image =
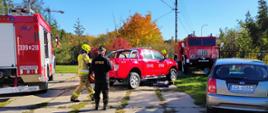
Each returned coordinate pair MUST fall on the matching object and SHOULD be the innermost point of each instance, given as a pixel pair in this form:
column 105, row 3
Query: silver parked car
column 238, row 84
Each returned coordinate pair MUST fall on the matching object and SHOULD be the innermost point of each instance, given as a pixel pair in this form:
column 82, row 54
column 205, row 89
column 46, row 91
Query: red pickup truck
column 135, row 65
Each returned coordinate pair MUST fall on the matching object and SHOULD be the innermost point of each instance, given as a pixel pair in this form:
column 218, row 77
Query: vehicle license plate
column 203, row 60
column 242, row 88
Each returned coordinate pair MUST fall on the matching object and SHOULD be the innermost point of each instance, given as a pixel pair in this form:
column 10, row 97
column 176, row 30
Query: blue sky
column 101, row 16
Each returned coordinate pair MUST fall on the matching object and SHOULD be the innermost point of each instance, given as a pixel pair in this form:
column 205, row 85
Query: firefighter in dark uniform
column 100, row 66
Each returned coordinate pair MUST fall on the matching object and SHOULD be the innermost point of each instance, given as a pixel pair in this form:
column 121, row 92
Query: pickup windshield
column 241, row 72
column 202, row 42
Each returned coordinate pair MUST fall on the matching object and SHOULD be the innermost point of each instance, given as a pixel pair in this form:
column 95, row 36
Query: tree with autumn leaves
column 141, row 31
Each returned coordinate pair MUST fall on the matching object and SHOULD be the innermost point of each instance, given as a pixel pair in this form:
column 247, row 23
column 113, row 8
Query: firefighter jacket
column 83, row 64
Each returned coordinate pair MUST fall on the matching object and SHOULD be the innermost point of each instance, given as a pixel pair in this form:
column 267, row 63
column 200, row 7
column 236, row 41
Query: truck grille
column 202, row 52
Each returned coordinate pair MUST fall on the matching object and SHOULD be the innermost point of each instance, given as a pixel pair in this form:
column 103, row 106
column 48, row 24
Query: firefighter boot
column 96, row 105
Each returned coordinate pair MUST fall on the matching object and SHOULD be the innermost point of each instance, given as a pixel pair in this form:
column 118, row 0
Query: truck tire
column 185, row 69
column 43, row 86
column 51, row 78
column 172, row 76
column 134, row 80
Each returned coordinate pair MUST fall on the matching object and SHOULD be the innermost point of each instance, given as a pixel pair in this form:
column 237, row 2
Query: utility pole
column 176, row 20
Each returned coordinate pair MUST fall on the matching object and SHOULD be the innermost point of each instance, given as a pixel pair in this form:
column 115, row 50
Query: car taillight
column 212, row 88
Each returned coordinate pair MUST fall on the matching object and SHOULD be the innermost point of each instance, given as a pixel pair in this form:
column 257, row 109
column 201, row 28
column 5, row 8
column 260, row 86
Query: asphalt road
column 145, row 99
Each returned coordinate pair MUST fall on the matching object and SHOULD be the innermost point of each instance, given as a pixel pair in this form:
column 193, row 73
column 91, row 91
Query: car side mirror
column 163, row 59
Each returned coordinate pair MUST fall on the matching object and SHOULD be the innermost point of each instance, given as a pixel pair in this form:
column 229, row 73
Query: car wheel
column 172, row 75
column 134, row 80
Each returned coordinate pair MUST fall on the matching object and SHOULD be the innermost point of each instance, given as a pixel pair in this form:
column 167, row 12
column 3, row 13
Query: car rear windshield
column 241, row 71
column 202, row 42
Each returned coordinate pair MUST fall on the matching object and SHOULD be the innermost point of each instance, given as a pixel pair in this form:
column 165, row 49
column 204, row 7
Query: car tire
column 172, row 76
column 134, row 80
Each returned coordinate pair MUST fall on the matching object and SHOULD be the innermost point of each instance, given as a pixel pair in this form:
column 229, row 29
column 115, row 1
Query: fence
column 263, row 56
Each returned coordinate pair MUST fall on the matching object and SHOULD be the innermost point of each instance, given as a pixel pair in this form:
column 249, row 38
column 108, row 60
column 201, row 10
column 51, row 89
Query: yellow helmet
column 164, row 52
column 86, row 48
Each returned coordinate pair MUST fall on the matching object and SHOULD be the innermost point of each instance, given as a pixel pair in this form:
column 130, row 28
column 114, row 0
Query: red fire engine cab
column 197, row 52
column 26, row 54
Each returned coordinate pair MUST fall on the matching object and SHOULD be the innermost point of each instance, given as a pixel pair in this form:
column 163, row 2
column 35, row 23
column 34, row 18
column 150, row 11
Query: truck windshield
column 202, row 42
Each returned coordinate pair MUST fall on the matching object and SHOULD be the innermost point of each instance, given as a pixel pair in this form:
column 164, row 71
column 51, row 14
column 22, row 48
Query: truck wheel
column 185, row 69
column 134, row 80
column 43, row 86
column 172, row 76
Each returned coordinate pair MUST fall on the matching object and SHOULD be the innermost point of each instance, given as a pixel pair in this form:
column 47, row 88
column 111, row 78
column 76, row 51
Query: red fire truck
column 26, row 54
column 197, row 52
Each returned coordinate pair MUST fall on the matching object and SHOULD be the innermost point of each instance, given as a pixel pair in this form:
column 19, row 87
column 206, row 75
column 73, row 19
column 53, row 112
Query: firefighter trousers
column 105, row 93
column 83, row 83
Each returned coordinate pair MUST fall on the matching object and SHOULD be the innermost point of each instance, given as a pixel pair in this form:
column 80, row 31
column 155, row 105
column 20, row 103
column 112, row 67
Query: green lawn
column 66, row 68
column 195, row 86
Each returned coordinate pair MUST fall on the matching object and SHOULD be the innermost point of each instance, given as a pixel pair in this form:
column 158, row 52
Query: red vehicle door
column 159, row 62
column 148, row 63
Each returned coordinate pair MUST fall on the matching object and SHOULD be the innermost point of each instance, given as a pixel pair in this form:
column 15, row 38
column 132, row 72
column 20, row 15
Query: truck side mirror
column 182, row 45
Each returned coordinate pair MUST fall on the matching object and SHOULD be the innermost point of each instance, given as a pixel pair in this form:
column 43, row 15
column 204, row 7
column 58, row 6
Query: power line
column 183, row 25
column 167, row 4
column 165, row 14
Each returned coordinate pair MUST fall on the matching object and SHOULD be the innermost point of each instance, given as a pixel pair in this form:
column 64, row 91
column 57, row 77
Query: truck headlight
column 193, row 56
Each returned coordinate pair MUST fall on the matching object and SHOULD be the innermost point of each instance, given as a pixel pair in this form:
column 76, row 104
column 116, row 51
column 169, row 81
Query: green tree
column 79, row 28
column 252, row 28
column 262, row 17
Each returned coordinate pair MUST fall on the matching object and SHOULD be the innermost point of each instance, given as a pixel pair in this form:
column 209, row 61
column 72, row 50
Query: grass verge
column 124, row 102
column 66, row 69
column 159, row 95
column 195, row 86
column 4, row 103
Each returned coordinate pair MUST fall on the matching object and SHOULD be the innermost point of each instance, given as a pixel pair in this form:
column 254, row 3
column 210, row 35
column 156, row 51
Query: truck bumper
column 19, row 89
column 201, row 63
column 33, row 78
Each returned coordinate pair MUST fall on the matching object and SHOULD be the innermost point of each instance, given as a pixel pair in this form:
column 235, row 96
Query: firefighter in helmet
column 164, row 53
column 101, row 66
column 83, row 71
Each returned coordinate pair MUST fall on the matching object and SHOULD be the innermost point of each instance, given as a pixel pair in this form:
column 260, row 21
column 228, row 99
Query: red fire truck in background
column 197, row 52
column 26, row 54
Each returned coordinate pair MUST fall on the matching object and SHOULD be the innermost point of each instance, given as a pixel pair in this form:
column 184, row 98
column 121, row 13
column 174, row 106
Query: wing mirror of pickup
column 163, row 59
